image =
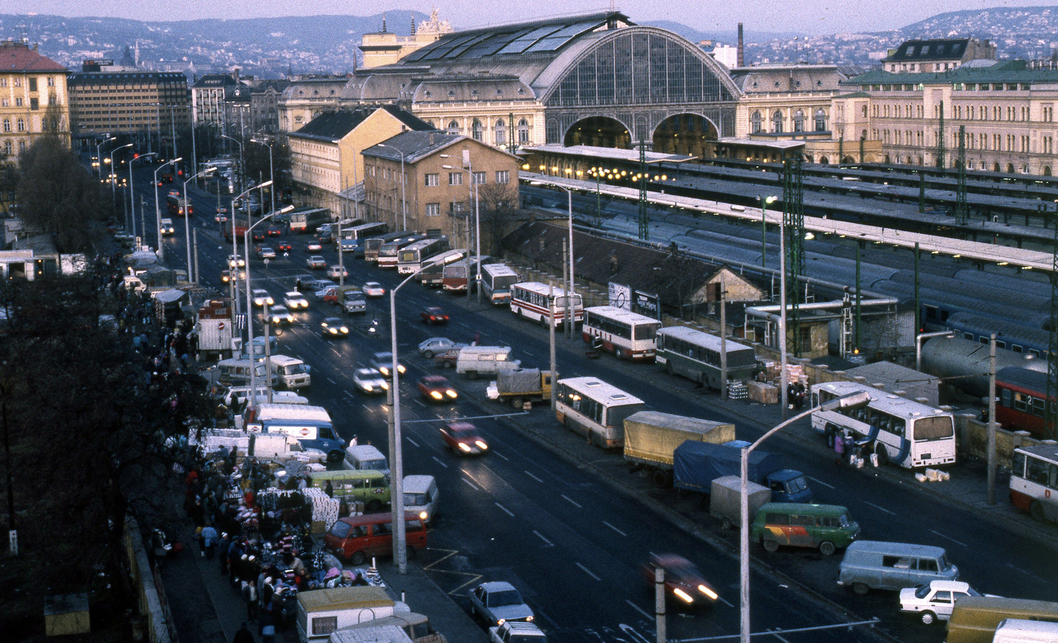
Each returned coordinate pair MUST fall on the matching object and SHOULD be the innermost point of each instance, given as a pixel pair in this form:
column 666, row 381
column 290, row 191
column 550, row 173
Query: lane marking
column 639, row 609
column 615, row 529
column 504, row 509
column 533, row 477
column 412, row 441
column 880, row 508
column 501, row 456
column 948, row 538
column 469, row 417
column 350, row 394
column 328, row 379
column 549, row 543
column 721, row 599
column 818, row 481
column 571, row 502
column 435, row 459
column 472, row 485
column 588, row 571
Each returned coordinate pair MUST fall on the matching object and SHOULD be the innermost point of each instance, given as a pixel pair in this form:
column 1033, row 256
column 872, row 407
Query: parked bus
column 352, row 238
column 373, row 244
column 389, row 253
column 696, row 356
column 411, row 258
column 304, row 220
column 595, row 409
column 1020, row 405
column 433, row 275
column 496, row 281
column 900, row 430
column 1034, row 481
column 177, row 206
column 529, row 299
column 626, row 334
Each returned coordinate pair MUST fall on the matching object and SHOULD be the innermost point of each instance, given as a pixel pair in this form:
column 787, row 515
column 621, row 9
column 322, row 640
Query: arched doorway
column 823, row 160
column 599, row 131
column 1046, row 170
column 688, row 134
column 1010, row 168
column 996, row 168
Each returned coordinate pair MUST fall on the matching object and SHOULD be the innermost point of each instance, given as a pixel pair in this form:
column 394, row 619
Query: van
column 290, row 372
column 975, row 619
column 323, row 611
column 794, row 524
column 259, row 347
column 416, row 626
column 420, row 497
column 236, row 372
column 358, row 538
column 1014, row 630
column 309, row 426
column 369, row 487
column 488, row 360
column 366, row 457
column 871, row 564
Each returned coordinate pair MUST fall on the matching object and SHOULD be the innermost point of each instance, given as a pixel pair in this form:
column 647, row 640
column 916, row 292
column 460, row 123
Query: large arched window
column 776, row 122
column 523, row 132
column 756, row 122
column 475, row 130
column 799, row 121
column 453, row 128
column 500, row 130
column 821, row 120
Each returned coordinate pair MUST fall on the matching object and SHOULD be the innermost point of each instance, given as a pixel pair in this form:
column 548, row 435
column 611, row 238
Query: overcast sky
column 808, row 16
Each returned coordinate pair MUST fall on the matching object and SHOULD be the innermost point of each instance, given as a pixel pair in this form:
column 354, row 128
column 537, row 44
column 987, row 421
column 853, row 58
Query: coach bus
column 496, row 282
column 696, row 356
column 595, row 409
column 411, row 258
column 373, row 244
column 529, row 299
column 626, row 334
column 389, row 253
column 433, row 274
column 1034, row 481
column 901, row 431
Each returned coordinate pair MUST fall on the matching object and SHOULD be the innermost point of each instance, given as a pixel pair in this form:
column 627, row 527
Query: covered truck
column 520, row 385
column 696, row 464
column 651, row 439
column 213, row 330
column 725, row 499
column 322, row 611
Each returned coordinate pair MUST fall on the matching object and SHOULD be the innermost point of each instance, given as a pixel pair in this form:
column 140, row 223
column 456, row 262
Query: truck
column 240, row 225
column 696, row 464
column 652, row 437
column 725, row 499
column 352, row 299
column 290, row 372
column 310, row 426
column 520, row 385
column 213, row 330
column 322, row 611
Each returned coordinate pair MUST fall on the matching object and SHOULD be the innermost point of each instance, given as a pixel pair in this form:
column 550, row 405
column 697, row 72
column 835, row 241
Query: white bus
column 696, row 356
column 364, row 230
column 1034, row 481
column 624, row 333
column 389, row 252
column 412, row 257
column 595, row 409
column 433, row 275
column 901, row 431
column 496, row 282
column 529, row 299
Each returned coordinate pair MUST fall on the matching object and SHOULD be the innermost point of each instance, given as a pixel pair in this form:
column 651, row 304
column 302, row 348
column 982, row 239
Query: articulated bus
column 626, row 334
column 696, row 356
column 433, row 275
column 595, row 409
column 411, row 258
column 902, row 431
column 529, row 299
column 389, row 253
column 496, row 281
column 373, row 244
column 1034, row 481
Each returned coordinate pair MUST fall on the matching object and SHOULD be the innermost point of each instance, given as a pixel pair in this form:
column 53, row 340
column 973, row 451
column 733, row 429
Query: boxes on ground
column 214, row 309
column 763, row 392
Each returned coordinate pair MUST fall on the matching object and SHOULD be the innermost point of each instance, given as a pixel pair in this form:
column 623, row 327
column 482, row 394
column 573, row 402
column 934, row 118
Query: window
column 799, row 121
column 453, row 128
column 500, row 133
column 523, row 131
column 433, row 180
column 18, row 82
column 455, row 207
column 7, row 124
column 433, row 209
column 51, row 81
column 503, row 176
column 32, row 84
column 475, row 130
column 34, row 103
column 455, row 178
column 821, row 120
column 21, row 125
column 776, row 120
column 755, row 123
column 7, row 148
column 478, row 178
column 18, row 102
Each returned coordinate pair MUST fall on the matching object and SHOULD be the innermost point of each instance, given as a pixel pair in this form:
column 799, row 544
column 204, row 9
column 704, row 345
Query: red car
column 433, row 315
column 284, row 246
column 436, row 388
column 463, row 438
column 684, row 582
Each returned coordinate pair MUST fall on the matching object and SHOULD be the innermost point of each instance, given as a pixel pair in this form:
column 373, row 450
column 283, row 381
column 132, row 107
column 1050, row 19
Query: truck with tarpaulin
column 520, row 385
column 651, row 438
column 696, row 464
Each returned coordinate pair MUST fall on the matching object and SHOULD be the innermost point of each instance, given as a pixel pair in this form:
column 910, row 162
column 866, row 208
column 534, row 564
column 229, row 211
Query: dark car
column 334, row 327
column 437, row 388
column 433, row 315
column 383, row 361
column 463, row 438
column 258, row 234
column 274, row 231
column 284, row 246
column 684, row 582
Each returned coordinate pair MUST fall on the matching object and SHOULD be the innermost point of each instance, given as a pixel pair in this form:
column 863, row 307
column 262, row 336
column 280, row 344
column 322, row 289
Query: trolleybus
column 900, row 430
column 389, row 253
column 496, row 282
column 696, row 356
column 626, row 334
column 411, row 258
column 595, row 409
column 178, row 206
column 1034, row 480
column 529, row 299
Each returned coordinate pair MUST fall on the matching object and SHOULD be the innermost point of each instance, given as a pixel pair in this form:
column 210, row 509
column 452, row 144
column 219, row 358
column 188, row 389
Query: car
column 334, row 327
column 437, row 388
column 430, row 347
column 295, row 300
column 305, row 282
column 236, row 261
column 448, row 357
column 313, row 246
column 261, row 298
column 933, row 602
column 284, row 246
column 280, row 315
column 274, row 231
column 374, row 289
column 684, row 582
column 322, row 284
column 327, row 293
column 316, row 262
column 257, row 234
column 370, row 380
column 337, row 272
column 222, row 215
column 225, row 276
column 498, row 602
column 463, row 438
column 167, row 227
column 517, row 632
column 265, row 252
column 433, row 315
column 383, row 361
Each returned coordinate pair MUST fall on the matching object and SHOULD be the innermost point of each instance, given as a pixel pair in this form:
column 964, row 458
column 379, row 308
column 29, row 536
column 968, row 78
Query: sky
column 811, row 17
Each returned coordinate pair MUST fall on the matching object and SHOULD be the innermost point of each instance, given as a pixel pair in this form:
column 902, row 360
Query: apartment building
column 33, row 98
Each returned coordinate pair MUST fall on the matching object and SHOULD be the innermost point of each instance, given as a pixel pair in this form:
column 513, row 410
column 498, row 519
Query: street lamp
column 158, row 211
column 242, row 168
column 477, row 224
column 187, row 221
column 569, row 293
column 856, row 400
column 99, row 157
column 271, row 171
column 764, row 201
column 249, row 299
column 132, row 191
column 403, row 200
column 113, row 174
column 234, row 273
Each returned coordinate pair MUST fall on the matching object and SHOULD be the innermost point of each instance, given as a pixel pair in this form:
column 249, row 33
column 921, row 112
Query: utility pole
column 794, row 227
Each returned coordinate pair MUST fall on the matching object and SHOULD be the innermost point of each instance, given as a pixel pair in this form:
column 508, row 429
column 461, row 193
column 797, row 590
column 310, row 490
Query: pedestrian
column 477, row 339
column 244, row 635
column 329, row 490
column 209, row 540
column 267, row 625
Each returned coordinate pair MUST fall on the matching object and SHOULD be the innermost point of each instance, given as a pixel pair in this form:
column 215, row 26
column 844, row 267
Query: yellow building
column 386, row 48
column 33, row 98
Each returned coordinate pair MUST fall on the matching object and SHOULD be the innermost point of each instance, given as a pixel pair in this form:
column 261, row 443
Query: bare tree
column 498, row 205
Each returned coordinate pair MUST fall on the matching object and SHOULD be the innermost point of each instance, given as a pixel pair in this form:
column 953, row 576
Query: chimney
column 741, row 47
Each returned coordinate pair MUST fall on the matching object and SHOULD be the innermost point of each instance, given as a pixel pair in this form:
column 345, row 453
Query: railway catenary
column 1029, row 282
column 1015, row 297
column 937, row 306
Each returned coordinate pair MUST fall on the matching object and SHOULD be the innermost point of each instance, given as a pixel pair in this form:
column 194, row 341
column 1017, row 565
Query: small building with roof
column 937, row 55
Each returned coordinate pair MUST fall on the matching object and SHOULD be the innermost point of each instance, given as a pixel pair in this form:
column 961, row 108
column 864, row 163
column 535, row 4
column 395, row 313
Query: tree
column 497, row 206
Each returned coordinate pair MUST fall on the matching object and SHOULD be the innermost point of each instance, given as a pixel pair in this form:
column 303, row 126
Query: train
column 1020, row 406
column 965, row 363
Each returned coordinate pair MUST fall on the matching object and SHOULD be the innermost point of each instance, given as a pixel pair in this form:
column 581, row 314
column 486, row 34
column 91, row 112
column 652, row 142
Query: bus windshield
column 934, row 428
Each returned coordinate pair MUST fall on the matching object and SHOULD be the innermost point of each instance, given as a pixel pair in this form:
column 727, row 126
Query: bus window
column 1037, row 471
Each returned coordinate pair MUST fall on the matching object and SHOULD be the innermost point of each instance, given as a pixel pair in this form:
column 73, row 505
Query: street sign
column 646, row 303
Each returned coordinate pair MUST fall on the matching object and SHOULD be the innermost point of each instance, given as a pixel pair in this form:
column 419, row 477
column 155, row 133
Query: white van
column 1016, row 630
column 420, row 497
column 236, row 372
column 291, row 372
column 486, row 360
column 365, row 457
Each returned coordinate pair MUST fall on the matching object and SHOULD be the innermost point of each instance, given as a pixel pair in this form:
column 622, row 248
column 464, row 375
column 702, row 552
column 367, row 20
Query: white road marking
column 329, row 379
column 419, row 402
column 533, row 477
column 504, row 509
column 446, row 466
column 571, row 502
column 350, row 394
column 472, row 485
column 818, row 481
column 549, row 543
column 639, row 609
column 588, row 571
column 412, row 441
column 948, row 538
column 879, row 508
column 721, row 599
column 615, row 529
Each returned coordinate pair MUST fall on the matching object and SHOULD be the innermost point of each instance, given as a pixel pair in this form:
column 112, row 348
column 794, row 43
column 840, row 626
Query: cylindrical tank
column 965, row 363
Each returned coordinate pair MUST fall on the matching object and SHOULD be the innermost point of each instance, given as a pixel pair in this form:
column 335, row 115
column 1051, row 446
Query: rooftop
column 16, row 56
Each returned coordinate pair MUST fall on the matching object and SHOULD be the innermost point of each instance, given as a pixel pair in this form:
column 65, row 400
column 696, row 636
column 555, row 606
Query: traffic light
column 179, row 172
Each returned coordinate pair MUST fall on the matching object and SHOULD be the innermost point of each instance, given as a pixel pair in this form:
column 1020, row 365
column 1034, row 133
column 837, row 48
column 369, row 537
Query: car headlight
column 436, row 395
column 708, row 592
column 385, row 386
column 344, row 330
column 683, row 596
column 481, row 445
column 400, row 367
column 423, row 515
column 450, row 393
column 464, row 447
column 528, row 618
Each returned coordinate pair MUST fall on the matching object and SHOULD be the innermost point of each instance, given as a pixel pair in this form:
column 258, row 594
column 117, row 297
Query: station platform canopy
column 606, row 154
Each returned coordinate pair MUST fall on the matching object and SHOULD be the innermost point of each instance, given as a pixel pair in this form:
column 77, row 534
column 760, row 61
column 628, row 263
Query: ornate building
column 33, row 98
column 386, row 48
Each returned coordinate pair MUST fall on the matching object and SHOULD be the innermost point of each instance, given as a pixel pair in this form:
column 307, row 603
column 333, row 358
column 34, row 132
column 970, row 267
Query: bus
column 352, row 238
column 389, row 253
column 304, row 220
column 455, row 274
column 626, row 334
column 696, row 356
column 901, row 431
column 433, row 275
column 1034, row 481
column 411, row 258
column 595, row 409
column 496, row 281
column 529, row 299
column 372, row 245
column 177, row 206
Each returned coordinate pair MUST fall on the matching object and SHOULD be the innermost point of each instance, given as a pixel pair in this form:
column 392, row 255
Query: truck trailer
column 652, row 437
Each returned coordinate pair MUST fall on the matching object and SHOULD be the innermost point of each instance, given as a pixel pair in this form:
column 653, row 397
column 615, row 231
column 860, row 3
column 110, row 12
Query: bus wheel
column 883, row 455
column 620, row 354
column 771, row 545
column 827, row 548
column 1036, row 510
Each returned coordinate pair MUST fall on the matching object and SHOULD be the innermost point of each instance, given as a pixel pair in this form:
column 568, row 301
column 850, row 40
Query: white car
column 295, row 300
column 369, row 380
column 167, row 227
column 261, row 298
column 498, row 602
column 935, row 601
column 280, row 315
column 337, row 272
column 236, row 261
column 374, row 289
column 517, row 632
column 316, row 262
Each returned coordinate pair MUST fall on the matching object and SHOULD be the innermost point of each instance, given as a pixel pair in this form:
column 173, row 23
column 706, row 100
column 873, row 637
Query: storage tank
column 952, row 357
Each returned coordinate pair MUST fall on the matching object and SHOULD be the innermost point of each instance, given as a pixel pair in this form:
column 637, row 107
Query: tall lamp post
column 569, row 293
column 158, row 210
column 477, row 224
column 271, row 172
column 99, row 157
column 187, row 222
column 764, row 202
column 113, row 173
column 132, row 191
column 249, row 299
column 855, row 400
column 403, row 180
column 235, row 254
column 242, row 167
